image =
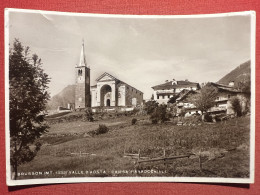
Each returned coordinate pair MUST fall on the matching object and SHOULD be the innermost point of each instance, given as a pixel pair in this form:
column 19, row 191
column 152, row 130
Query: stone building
column 163, row 92
column 110, row 91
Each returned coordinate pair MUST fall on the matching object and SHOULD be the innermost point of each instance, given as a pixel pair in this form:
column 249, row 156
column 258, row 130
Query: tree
column 150, row 106
column 245, row 86
column 236, row 106
column 205, row 99
column 27, row 99
column 152, row 97
column 173, row 99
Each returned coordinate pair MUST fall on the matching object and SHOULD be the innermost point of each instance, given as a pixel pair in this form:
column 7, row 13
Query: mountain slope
column 241, row 73
column 67, row 95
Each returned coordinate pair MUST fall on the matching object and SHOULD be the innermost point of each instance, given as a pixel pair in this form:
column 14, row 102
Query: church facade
column 108, row 91
column 111, row 91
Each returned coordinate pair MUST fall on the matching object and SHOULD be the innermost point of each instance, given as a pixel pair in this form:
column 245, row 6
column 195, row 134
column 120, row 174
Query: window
column 168, row 96
column 163, row 97
column 217, row 98
column 229, row 96
column 80, row 72
column 158, row 96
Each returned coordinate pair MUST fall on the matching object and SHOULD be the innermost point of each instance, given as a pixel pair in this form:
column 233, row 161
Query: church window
column 80, row 72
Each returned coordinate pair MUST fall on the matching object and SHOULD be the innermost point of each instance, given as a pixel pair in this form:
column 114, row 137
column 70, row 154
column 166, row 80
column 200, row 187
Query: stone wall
column 133, row 96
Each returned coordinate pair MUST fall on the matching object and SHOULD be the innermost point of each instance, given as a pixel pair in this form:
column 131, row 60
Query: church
column 109, row 91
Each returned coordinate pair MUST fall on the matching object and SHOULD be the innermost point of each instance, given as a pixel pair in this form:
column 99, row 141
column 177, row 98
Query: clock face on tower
column 80, row 79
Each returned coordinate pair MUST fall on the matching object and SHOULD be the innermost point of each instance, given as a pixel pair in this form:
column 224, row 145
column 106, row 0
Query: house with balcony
column 224, row 96
column 163, row 92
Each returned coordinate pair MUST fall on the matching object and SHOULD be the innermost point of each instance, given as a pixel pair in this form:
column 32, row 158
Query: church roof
column 175, row 84
column 106, row 76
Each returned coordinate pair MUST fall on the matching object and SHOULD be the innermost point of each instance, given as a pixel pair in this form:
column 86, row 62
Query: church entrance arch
column 105, row 95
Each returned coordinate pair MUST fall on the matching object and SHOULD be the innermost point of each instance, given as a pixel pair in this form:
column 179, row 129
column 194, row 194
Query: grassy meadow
column 69, row 151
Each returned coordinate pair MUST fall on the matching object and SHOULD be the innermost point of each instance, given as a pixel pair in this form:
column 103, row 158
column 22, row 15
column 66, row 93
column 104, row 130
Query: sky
column 142, row 52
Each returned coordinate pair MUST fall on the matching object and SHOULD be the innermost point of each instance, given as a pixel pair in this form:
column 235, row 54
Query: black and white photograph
column 129, row 98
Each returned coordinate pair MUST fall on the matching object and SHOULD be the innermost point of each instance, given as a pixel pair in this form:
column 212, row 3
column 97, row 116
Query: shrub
column 101, row 130
column 89, row 114
column 134, row 120
column 150, row 106
column 154, row 121
column 208, row 118
column 159, row 114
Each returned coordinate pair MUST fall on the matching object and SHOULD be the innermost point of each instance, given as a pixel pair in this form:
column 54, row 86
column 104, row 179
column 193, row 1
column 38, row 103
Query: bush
column 154, row 121
column 208, row 118
column 150, row 106
column 159, row 114
column 89, row 114
column 134, row 120
column 101, row 130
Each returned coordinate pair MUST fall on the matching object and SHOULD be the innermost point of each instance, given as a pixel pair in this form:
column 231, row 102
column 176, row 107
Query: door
column 108, row 102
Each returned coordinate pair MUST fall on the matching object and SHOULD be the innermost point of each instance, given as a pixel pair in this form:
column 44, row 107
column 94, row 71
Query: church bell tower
column 82, row 92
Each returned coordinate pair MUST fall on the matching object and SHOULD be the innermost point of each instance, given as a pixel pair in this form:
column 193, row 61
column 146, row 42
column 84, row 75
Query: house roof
column 225, row 87
column 184, row 94
column 175, row 84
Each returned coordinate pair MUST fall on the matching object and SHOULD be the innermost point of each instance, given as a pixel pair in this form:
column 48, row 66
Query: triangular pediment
column 106, row 77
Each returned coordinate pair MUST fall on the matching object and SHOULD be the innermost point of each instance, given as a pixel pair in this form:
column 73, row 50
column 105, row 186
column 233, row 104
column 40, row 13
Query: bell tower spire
column 82, row 59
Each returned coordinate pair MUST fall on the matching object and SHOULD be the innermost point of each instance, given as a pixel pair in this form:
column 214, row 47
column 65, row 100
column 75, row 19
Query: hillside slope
column 241, row 73
column 67, row 95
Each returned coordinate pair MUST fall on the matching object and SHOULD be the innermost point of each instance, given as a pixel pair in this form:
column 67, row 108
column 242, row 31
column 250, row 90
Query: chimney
column 231, row 84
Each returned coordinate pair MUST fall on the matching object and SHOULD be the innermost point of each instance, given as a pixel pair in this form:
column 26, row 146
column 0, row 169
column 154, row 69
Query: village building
column 108, row 91
column 184, row 104
column 225, row 94
column 163, row 92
